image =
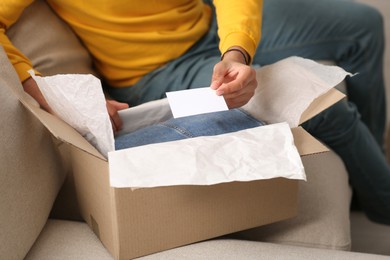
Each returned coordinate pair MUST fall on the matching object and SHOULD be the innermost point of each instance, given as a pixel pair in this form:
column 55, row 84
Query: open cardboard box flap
column 321, row 103
column 62, row 131
column 305, row 143
column 67, row 134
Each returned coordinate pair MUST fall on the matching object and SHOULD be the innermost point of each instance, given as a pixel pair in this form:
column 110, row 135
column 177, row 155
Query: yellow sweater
column 129, row 38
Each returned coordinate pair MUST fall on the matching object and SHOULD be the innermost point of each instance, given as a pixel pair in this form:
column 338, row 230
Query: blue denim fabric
column 342, row 130
column 187, row 127
column 348, row 33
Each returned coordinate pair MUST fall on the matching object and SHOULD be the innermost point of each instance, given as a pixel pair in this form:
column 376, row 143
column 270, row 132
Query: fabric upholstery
column 323, row 213
column 369, row 237
column 74, row 240
column 30, row 170
column 53, row 49
column 48, row 42
column 62, row 239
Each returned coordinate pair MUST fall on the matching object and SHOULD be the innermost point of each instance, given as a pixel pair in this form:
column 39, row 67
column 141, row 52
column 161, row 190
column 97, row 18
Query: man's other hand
column 31, row 87
column 113, row 107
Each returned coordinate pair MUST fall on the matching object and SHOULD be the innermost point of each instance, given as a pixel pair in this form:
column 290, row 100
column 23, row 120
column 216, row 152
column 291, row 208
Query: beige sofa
column 39, row 215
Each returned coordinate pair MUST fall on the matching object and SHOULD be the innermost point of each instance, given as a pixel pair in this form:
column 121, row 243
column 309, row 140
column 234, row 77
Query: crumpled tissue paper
column 78, row 99
column 263, row 152
column 285, row 91
column 287, row 88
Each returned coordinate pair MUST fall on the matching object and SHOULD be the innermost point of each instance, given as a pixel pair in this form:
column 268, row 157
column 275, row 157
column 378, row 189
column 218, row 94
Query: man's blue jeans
column 187, row 127
column 343, row 31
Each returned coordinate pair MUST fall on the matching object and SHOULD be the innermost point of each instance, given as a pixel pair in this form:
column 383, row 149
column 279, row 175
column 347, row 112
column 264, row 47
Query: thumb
column 219, row 72
column 118, row 105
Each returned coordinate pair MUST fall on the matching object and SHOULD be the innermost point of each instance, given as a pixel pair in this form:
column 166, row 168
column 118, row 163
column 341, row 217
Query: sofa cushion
column 30, row 172
column 48, row 42
column 53, row 48
column 62, row 239
column 74, row 240
column 323, row 213
column 368, row 236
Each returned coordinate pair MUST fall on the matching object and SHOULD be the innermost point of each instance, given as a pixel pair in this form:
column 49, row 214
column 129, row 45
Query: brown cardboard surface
column 306, row 143
column 321, row 103
column 144, row 221
column 60, row 129
column 187, row 214
column 140, row 222
column 94, row 194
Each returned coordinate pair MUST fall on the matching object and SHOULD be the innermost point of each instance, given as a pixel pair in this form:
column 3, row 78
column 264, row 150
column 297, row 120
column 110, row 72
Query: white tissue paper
column 147, row 114
column 263, row 152
column 287, row 88
column 78, row 99
column 285, row 91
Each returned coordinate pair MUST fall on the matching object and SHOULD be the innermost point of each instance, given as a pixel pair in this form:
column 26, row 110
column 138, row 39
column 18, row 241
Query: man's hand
column 233, row 79
column 113, row 107
column 31, row 87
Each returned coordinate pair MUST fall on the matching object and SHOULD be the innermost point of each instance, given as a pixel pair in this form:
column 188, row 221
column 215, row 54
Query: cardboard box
column 133, row 223
column 144, row 221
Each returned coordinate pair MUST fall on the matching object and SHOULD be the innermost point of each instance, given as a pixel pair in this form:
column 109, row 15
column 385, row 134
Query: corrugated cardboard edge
column 321, row 103
column 205, row 219
column 306, row 143
column 92, row 185
column 57, row 127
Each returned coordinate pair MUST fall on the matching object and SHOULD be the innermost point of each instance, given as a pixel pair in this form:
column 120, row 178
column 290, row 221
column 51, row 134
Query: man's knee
column 373, row 22
column 336, row 122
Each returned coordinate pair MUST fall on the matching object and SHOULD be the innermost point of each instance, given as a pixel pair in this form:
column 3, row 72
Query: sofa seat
column 61, row 239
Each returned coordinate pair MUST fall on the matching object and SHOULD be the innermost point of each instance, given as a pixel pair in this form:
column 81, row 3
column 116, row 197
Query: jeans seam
column 265, row 50
column 180, row 130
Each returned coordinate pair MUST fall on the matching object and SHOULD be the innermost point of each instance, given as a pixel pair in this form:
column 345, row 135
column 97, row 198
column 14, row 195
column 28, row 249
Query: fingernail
column 213, row 85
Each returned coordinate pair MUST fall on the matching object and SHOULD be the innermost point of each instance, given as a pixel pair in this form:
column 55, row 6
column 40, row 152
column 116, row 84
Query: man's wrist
column 237, row 54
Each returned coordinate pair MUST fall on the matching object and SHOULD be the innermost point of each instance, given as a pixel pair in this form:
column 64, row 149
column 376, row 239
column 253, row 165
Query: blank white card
column 195, row 101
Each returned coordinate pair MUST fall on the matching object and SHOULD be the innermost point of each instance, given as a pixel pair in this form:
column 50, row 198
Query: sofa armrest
column 30, row 170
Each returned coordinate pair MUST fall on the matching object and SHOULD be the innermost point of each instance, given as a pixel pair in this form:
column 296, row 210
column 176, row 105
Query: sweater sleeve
column 10, row 11
column 239, row 24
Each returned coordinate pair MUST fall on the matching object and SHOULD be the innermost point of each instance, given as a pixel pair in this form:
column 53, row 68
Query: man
column 143, row 49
